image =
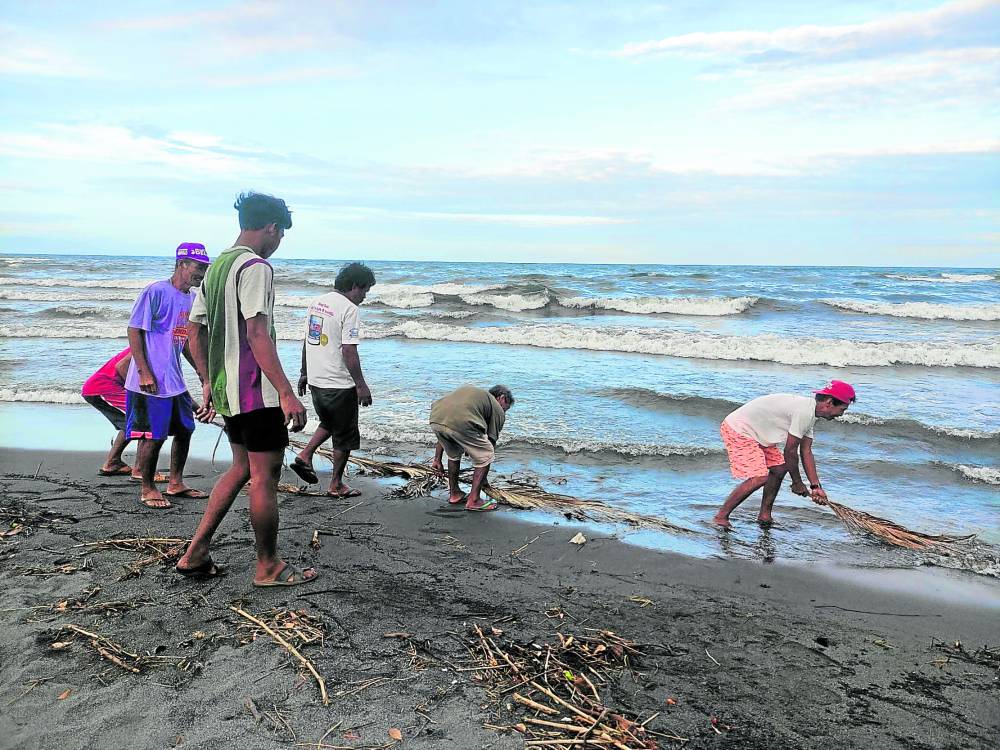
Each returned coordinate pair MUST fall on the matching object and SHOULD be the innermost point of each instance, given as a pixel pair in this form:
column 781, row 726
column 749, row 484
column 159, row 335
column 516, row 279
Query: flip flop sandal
column 304, row 471
column 487, row 507
column 145, row 502
column 115, row 472
column 206, row 570
column 158, row 478
column 188, row 492
column 349, row 493
column 289, row 576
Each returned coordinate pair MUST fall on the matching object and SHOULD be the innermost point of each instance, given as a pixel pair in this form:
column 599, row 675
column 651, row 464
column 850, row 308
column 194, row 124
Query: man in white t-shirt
column 753, row 433
column 331, row 368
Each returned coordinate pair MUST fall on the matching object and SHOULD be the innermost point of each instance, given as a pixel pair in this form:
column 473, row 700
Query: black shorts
column 337, row 409
column 115, row 415
column 259, row 431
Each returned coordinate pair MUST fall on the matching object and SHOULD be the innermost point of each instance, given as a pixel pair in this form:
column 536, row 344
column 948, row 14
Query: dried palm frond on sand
column 893, row 533
column 518, row 492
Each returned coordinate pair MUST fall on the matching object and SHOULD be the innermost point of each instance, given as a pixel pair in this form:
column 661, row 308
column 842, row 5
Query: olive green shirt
column 471, row 411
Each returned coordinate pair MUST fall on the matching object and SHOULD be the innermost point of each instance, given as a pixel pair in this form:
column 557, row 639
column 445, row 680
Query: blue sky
column 790, row 132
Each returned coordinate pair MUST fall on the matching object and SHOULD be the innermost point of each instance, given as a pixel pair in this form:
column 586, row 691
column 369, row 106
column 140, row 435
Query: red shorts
column 747, row 457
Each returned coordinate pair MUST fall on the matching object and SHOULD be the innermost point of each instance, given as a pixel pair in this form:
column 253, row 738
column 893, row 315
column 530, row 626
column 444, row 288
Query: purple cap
column 192, row 251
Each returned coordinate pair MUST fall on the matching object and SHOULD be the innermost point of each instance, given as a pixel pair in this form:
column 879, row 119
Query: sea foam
column 706, row 306
column 54, row 281
column 979, row 473
column 923, row 310
column 946, row 278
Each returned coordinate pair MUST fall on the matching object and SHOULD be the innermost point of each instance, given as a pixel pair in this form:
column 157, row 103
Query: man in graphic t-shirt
column 753, row 433
column 157, row 403
column 233, row 347
column 332, row 369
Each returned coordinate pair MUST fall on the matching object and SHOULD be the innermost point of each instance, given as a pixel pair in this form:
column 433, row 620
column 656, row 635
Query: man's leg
column 455, row 495
column 474, row 500
column 319, row 437
column 337, row 486
column 742, row 491
column 265, row 469
column 114, row 460
column 146, row 458
column 775, row 476
column 223, row 494
column 178, row 459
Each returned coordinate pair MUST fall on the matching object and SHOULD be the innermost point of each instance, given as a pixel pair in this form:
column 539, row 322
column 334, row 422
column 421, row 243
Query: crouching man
column 469, row 420
column 753, row 433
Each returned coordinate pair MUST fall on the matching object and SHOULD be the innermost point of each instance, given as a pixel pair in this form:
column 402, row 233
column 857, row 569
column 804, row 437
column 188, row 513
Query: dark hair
column 828, row 397
column 352, row 275
column 258, row 210
column 501, row 390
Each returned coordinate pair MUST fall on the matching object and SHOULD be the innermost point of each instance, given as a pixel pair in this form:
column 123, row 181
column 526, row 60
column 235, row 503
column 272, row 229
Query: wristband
column 815, row 486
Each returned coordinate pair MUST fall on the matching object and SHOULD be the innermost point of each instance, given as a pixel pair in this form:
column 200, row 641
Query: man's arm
column 137, row 344
column 438, row 455
column 264, row 351
column 303, row 372
column 809, row 463
column 196, row 351
column 121, row 369
column 352, row 361
column 791, row 454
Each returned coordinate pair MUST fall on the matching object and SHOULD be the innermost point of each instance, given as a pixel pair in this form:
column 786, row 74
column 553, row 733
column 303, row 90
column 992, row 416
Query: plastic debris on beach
column 552, row 692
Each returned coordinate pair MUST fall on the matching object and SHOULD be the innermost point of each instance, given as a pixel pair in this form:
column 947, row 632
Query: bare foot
column 722, row 521
column 456, row 498
column 765, row 521
column 342, row 490
column 154, row 500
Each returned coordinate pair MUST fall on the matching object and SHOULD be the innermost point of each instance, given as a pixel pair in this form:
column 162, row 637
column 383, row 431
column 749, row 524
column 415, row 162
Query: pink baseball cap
column 192, row 251
column 839, row 390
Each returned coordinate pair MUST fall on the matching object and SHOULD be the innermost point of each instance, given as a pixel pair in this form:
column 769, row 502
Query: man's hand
column 294, row 411
column 437, row 466
column 800, row 489
column 303, row 384
column 206, row 412
column 147, row 383
column 364, row 395
column 818, row 496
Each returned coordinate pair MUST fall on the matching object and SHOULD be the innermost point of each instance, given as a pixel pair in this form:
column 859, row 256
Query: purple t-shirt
column 162, row 312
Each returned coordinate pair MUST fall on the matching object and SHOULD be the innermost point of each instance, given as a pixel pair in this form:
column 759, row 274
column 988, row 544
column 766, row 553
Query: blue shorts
column 154, row 418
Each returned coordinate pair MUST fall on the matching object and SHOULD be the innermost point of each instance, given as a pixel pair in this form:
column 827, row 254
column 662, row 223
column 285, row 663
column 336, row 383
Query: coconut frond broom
column 894, row 534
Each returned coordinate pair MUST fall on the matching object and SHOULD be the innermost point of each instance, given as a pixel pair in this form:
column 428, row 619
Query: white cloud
column 947, row 24
column 25, row 54
column 187, row 153
column 235, row 13
column 358, row 213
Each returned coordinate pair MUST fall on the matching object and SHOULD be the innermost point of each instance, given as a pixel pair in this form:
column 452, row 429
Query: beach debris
column 301, row 626
column 553, row 689
column 64, row 695
column 110, row 651
column 894, row 534
column 315, row 543
column 517, row 491
column 395, row 734
column 985, row 656
column 165, row 550
column 578, row 539
column 641, row 601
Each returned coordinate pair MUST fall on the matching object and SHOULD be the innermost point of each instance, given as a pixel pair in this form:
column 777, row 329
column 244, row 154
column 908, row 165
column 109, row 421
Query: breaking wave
column 924, row 310
column 768, row 348
column 984, row 474
column 41, row 396
column 88, row 296
column 509, row 302
column 712, row 306
column 108, row 283
column 946, row 278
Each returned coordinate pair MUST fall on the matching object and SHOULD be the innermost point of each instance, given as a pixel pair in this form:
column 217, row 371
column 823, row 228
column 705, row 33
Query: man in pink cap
column 753, row 433
column 157, row 403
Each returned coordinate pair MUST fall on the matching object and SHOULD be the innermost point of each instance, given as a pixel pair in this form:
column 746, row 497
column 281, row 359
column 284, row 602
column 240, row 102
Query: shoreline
column 783, row 655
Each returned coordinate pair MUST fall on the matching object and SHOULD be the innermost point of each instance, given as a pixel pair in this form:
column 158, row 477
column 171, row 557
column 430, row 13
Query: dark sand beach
column 780, row 656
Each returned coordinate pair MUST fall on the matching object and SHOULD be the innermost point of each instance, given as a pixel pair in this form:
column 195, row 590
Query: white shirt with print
column 771, row 419
column 332, row 320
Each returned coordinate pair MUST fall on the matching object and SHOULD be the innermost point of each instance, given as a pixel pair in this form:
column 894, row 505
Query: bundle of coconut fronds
column 894, row 534
column 517, row 492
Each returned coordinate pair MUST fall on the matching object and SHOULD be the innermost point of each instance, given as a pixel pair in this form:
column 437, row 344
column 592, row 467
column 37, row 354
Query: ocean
column 622, row 375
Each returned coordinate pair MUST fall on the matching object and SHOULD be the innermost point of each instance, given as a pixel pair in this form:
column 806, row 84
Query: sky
column 769, row 132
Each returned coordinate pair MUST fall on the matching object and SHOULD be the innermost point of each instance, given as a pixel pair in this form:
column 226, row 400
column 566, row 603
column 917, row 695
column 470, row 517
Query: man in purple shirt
column 157, row 403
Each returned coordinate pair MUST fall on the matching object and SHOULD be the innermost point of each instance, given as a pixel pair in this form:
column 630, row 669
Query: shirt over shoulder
column 771, row 419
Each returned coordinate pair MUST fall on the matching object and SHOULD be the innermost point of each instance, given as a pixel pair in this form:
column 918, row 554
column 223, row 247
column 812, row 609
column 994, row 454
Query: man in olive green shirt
column 469, row 420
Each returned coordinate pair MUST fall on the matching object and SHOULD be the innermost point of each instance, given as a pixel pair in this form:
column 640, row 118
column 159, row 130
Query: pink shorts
column 747, row 457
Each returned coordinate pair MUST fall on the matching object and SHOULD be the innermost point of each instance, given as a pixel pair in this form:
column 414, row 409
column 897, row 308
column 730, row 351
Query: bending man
column 469, row 420
column 753, row 433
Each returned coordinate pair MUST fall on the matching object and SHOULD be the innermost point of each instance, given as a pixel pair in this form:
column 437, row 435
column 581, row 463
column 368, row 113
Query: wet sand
column 782, row 656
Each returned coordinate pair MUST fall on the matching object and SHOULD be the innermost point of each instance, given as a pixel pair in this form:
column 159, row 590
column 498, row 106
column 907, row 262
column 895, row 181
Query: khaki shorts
column 475, row 445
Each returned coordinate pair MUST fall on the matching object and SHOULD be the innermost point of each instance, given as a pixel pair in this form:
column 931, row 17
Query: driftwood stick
column 518, row 698
column 560, row 701
column 291, row 649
